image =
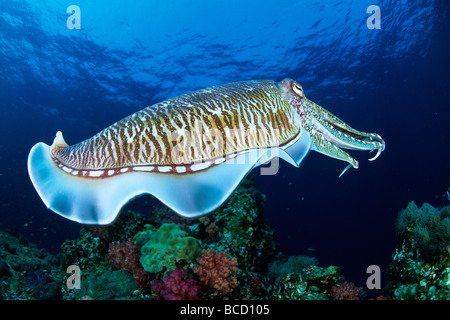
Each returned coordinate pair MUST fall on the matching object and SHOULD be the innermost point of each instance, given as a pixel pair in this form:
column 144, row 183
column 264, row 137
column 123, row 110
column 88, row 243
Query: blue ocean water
column 130, row 54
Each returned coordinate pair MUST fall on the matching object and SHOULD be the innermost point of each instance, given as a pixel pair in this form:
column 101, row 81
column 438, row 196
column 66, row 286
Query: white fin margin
column 98, row 201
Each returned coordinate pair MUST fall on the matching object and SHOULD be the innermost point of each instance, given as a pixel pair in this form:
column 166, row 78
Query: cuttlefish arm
column 329, row 133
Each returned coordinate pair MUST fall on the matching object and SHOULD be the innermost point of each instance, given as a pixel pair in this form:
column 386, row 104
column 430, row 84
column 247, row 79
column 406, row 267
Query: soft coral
column 175, row 287
column 215, row 269
column 346, row 291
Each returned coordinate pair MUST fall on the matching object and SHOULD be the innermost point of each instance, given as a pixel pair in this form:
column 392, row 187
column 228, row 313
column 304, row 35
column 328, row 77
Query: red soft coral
column 215, row 269
column 346, row 291
column 175, row 287
column 125, row 255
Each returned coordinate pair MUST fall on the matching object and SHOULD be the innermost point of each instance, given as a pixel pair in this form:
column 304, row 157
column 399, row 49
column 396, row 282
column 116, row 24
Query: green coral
column 167, row 246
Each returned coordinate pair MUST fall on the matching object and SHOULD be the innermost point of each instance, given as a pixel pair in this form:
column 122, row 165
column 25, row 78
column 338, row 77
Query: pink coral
column 215, row 269
column 346, row 291
column 175, row 287
column 125, row 255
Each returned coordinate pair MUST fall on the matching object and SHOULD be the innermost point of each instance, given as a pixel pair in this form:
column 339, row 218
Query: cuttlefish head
column 328, row 133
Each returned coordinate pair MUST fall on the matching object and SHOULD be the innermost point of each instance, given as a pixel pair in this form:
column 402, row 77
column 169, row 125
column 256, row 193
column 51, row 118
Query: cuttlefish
column 191, row 151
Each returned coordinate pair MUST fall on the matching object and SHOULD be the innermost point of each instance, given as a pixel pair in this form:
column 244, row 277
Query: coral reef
column 87, row 252
column 172, row 258
column 306, row 283
column 230, row 254
column 27, row 272
column 241, row 229
column 301, row 278
column 421, row 262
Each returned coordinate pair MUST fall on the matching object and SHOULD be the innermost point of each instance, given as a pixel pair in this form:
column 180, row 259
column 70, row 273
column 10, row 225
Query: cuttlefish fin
column 295, row 152
column 99, row 200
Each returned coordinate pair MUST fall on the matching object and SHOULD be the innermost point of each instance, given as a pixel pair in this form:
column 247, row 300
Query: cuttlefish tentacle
column 344, row 136
column 190, row 152
column 329, row 133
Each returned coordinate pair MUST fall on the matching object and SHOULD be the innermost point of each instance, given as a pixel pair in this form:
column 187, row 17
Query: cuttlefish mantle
column 191, row 151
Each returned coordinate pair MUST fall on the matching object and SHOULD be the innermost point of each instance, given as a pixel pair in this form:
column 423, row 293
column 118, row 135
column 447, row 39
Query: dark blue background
column 128, row 55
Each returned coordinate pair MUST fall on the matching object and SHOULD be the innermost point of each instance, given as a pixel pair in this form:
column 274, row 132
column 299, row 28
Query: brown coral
column 215, row 270
column 212, row 230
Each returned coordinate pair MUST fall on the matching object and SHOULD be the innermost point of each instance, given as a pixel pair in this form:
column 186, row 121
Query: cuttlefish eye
column 297, row 89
